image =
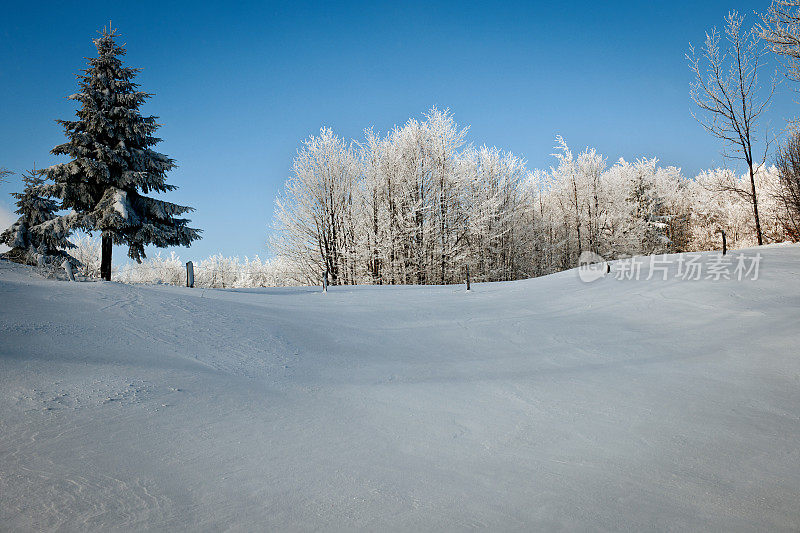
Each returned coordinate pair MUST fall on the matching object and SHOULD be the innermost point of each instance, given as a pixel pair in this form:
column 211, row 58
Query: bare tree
column 729, row 94
column 788, row 163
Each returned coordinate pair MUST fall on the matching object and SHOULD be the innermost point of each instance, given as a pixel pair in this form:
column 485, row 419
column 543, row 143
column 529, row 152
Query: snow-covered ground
column 546, row 404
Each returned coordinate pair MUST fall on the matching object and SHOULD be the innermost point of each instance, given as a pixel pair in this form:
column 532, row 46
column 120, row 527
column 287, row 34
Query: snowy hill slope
column 540, row 404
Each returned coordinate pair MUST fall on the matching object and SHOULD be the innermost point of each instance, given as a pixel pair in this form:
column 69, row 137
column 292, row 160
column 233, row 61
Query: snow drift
column 538, row 404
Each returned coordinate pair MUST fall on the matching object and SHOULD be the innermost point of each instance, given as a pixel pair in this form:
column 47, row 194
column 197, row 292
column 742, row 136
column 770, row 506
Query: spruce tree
column 113, row 164
column 33, row 233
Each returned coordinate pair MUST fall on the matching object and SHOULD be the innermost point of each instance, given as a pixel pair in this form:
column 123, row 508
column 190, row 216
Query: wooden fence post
column 325, row 281
column 468, row 277
column 724, row 244
column 189, row 274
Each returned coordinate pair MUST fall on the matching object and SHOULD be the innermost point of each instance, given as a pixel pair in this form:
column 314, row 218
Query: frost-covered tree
column 419, row 205
column 30, row 236
column 87, row 253
column 789, row 194
column 315, row 216
column 781, row 29
column 113, row 164
column 492, row 207
column 732, row 213
column 728, row 92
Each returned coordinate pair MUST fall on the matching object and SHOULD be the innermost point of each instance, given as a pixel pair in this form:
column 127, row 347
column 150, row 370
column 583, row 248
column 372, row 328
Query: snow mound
column 619, row 404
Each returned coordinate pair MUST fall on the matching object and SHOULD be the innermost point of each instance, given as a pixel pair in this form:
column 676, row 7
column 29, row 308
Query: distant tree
column 30, row 235
column 727, row 90
column 112, row 163
column 788, row 163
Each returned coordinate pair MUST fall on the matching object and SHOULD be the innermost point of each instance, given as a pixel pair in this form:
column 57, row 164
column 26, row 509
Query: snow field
column 545, row 404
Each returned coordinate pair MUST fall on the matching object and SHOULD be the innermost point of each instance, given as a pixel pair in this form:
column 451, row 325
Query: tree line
column 420, row 205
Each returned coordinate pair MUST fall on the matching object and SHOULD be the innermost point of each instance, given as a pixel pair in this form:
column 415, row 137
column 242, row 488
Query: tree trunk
column 105, row 258
column 755, row 207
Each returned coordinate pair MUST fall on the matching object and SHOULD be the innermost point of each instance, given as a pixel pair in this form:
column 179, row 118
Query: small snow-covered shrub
column 216, row 271
column 157, row 269
column 87, row 251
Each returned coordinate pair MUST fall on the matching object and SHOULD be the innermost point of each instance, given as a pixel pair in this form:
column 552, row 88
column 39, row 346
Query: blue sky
column 238, row 86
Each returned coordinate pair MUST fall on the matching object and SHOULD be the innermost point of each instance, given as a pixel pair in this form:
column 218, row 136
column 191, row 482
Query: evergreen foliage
column 113, row 164
column 32, row 234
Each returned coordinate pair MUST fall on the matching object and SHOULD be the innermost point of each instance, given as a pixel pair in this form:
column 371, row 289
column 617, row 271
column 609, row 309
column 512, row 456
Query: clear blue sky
column 239, row 85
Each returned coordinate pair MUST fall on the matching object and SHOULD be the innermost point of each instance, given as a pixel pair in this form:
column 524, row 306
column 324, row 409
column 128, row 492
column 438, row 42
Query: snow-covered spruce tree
column 113, row 165
column 28, row 237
